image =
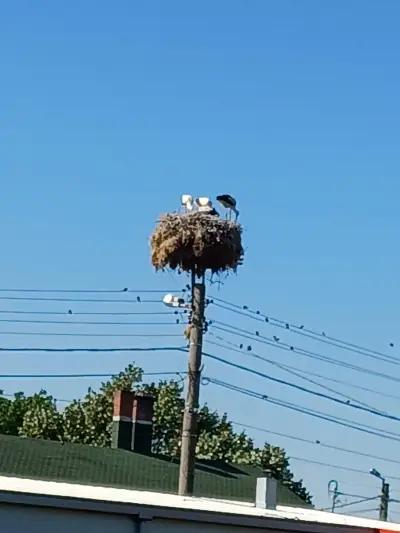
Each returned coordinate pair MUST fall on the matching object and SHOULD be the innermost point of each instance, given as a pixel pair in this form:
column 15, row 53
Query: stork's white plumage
column 204, row 205
column 185, row 198
column 203, row 201
column 187, row 202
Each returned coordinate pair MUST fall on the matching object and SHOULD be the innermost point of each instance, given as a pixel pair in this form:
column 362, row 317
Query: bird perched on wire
column 204, row 205
column 229, row 203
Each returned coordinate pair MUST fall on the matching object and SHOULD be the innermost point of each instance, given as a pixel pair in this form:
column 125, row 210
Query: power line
column 348, row 504
column 324, row 416
column 356, row 511
column 287, row 368
column 364, row 428
column 312, row 412
column 340, row 493
column 51, row 334
column 319, row 444
column 55, row 399
column 85, row 322
column 303, row 389
column 97, row 350
column 102, row 313
column 229, row 363
column 354, row 386
column 168, row 373
column 83, row 375
column 111, row 291
column 301, row 330
column 337, row 467
column 95, row 300
column 309, row 372
column 289, row 348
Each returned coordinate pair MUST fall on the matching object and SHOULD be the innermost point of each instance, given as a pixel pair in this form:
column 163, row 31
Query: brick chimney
column 142, row 423
column 132, row 427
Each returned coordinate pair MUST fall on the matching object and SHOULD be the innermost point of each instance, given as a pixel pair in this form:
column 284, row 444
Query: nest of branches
column 196, row 242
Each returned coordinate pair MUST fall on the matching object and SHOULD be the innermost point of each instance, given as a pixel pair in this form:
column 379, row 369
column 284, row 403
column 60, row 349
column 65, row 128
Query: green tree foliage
column 31, row 416
column 89, row 420
column 41, row 420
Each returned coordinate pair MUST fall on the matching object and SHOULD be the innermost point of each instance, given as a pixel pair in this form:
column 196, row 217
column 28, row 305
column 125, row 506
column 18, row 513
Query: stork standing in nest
column 187, row 202
column 229, row 203
column 204, row 205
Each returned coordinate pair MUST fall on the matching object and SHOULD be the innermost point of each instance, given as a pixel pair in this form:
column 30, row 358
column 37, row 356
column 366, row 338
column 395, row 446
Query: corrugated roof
column 82, row 464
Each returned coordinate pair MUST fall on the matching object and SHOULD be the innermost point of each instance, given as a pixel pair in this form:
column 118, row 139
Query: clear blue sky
column 110, row 112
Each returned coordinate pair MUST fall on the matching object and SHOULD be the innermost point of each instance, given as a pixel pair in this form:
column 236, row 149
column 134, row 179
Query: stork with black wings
column 229, row 203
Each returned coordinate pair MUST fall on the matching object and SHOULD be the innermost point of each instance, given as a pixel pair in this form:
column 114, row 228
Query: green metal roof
column 83, row 464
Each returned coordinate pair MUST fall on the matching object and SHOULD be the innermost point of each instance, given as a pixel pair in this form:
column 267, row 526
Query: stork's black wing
column 227, row 199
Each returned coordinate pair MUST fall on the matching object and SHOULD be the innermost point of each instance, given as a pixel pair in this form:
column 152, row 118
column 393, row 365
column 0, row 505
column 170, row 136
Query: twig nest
column 187, row 241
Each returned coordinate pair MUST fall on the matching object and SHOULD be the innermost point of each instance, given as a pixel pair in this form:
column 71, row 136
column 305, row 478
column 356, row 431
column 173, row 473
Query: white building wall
column 174, row 526
column 30, row 519
column 16, row 518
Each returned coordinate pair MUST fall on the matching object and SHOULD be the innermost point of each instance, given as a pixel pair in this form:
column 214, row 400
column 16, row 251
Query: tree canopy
column 88, row 421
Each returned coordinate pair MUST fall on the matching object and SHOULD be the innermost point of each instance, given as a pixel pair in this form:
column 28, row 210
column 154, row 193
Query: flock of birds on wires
column 223, row 333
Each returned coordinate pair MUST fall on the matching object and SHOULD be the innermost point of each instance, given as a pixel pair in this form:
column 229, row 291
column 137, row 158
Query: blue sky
column 109, row 113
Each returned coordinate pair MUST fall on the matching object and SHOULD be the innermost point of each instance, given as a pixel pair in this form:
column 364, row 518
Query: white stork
column 229, row 203
column 204, row 205
column 187, row 202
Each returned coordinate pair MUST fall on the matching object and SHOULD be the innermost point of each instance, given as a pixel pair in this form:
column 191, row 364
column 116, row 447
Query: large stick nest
column 196, row 241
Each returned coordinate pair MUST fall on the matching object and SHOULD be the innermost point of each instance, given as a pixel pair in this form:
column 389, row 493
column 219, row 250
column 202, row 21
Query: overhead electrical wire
column 3, row 394
column 66, row 376
column 290, row 348
column 309, row 411
column 350, row 495
column 348, row 504
column 246, row 369
column 85, row 322
column 290, row 370
column 96, row 350
column 318, row 443
column 115, row 291
column 354, row 386
column 59, row 334
column 90, row 300
column 245, row 349
column 300, row 330
column 83, row 375
column 102, row 313
column 287, row 368
column 338, row 467
column 302, row 389
column 330, row 465
column 364, row 428
column 271, row 339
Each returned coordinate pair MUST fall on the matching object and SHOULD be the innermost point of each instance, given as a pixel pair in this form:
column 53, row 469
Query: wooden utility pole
column 189, row 427
column 384, row 504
